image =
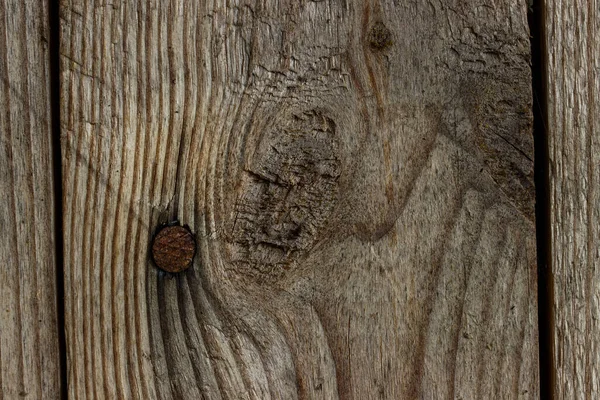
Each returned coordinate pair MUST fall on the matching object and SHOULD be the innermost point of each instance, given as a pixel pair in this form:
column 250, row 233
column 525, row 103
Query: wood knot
column 287, row 193
column 173, row 248
column 379, row 37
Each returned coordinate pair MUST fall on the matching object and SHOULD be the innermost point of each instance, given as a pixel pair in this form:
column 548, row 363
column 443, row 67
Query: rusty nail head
column 173, row 248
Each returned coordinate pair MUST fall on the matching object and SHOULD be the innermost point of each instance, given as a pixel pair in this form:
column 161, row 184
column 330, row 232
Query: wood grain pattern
column 572, row 30
column 359, row 178
column 29, row 347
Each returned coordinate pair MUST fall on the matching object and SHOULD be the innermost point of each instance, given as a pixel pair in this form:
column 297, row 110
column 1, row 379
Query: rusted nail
column 173, row 248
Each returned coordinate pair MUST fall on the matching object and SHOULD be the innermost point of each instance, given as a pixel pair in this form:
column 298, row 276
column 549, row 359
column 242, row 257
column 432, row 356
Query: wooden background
column 359, row 176
column 574, row 147
column 29, row 345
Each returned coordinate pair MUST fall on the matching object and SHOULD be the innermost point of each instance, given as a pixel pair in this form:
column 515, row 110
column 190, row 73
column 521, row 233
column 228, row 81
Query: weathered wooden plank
column 359, row 179
column 573, row 52
column 29, row 348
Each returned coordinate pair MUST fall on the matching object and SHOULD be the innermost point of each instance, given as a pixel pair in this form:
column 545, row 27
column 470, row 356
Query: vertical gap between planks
column 54, row 51
column 539, row 81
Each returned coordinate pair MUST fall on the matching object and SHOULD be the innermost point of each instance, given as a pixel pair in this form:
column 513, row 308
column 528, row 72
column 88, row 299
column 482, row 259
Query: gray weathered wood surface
column 29, row 349
column 573, row 32
column 359, row 178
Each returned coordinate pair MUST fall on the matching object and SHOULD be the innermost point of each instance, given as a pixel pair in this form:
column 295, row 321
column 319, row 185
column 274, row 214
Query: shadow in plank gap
column 537, row 27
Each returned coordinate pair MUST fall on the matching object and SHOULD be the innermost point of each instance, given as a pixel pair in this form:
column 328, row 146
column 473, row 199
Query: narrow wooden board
column 359, row 178
column 573, row 52
column 29, row 347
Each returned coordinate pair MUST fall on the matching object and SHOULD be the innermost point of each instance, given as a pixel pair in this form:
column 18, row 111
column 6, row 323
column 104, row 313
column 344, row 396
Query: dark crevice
column 54, row 27
column 539, row 82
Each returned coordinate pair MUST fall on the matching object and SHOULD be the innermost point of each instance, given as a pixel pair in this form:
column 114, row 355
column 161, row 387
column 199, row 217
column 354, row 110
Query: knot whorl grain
column 287, row 193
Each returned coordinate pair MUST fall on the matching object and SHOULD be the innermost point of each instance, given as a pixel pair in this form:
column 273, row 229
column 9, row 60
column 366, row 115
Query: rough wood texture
column 359, row 178
column 29, row 349
column 572, row 32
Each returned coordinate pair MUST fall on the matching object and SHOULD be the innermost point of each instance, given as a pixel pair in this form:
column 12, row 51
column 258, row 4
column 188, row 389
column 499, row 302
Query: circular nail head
column 173, row 248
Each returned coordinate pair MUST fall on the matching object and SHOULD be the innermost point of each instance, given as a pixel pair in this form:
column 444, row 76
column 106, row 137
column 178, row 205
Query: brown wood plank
column 29, row 347
column 572, row 32
column 359, row 178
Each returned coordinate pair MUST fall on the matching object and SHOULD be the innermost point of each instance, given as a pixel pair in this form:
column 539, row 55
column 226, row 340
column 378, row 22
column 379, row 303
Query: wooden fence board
column 573, row 53
column 29, row 346
column 359, row 178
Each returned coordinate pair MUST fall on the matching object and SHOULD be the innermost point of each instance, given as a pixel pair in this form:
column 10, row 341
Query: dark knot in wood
column 379, row 36
column 287, row 192
column 173, row 248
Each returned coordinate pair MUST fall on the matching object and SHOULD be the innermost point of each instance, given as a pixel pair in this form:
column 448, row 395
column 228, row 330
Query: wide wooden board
column 573, row 54
column 359, row 178
column 29, row 346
